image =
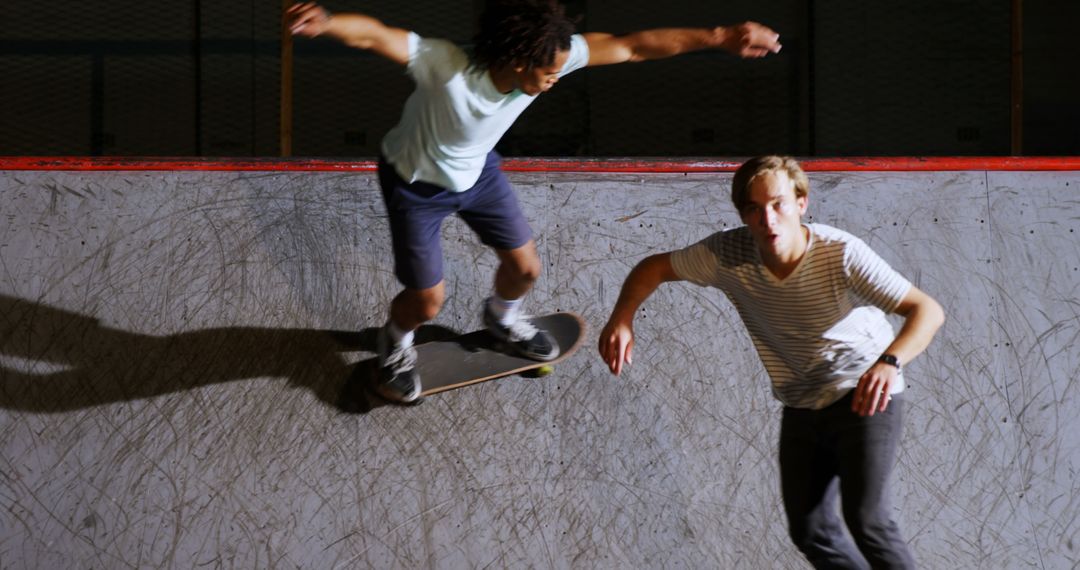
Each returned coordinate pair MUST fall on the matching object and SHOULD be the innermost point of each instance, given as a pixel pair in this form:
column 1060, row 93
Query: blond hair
column 751, row 169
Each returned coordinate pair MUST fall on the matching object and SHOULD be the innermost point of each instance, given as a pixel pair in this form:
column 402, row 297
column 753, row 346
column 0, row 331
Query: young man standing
column 813, row 299
column 439, row 159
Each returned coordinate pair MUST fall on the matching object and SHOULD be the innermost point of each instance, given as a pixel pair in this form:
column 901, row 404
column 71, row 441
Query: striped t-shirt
column 820, row 328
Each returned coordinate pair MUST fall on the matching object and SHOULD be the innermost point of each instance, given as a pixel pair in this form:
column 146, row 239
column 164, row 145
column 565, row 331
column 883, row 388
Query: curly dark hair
column 521, row 32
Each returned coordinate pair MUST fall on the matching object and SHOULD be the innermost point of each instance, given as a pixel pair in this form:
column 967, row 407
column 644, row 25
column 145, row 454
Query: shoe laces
column 522, row 329
column 401, row 358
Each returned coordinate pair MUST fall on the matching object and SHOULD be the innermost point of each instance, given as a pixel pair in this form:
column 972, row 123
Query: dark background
column 201, row 78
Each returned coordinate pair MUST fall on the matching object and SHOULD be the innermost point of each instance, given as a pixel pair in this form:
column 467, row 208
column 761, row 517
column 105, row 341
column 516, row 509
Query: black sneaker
column 522, row 337
column 397, row 379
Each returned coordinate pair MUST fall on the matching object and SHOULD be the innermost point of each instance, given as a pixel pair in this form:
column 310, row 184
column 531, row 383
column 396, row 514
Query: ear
column 804, row 203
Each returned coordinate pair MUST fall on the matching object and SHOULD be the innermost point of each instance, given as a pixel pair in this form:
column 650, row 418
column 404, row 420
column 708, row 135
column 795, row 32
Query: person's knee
column 530, row 269
column 422, row 305
column 430, row 303
column 428, row 312
column 523, row 263
column 880, row 541
column 809, row 544
column 869, row 525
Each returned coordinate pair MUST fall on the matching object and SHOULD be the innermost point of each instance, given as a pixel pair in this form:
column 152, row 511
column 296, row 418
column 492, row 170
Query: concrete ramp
column 176, row 348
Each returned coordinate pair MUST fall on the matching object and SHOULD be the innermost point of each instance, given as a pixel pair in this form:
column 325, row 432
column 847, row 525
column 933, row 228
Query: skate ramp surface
column 176, row 351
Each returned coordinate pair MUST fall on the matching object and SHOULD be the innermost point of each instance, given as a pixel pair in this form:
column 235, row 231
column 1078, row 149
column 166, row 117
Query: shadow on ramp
column 54, row 360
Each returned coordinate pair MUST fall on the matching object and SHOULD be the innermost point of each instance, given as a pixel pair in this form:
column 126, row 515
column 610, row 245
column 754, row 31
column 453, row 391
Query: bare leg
column 396, row 377
column 518, row 270
column 414, row 307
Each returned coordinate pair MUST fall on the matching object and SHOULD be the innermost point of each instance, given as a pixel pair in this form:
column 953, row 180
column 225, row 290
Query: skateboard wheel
column 545, row 370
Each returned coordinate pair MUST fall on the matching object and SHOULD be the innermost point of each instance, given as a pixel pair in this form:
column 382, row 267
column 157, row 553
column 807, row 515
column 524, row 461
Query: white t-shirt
column 456, row 115
column 820, row 328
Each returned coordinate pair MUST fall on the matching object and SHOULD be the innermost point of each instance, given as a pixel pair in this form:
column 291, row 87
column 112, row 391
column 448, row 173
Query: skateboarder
column 439, row 159
column 813, row 299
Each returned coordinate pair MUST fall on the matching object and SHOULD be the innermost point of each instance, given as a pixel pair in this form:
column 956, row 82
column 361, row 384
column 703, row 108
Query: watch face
column 890, row 359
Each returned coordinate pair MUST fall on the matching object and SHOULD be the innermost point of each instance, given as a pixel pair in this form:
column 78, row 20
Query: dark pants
column 835, row 451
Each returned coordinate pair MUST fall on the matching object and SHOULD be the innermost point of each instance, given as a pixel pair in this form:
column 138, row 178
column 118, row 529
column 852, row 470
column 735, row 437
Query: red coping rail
column 585, row 165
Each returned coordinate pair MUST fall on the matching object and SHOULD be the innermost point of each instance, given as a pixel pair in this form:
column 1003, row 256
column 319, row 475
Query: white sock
column 506, row 311
column 401, row 338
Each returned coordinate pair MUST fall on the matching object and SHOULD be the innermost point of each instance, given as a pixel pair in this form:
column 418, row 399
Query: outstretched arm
column 617, row 338
column 308, row 19
column 923, row 316
column 748, row 39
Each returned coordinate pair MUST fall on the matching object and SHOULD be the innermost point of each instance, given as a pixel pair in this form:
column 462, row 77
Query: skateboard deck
column 477, row 357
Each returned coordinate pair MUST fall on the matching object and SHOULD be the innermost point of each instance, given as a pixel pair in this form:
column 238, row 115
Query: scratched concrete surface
column 176, row 348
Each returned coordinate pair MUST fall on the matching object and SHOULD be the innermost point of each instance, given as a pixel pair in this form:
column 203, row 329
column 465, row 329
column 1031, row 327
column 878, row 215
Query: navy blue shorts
column 417, row 210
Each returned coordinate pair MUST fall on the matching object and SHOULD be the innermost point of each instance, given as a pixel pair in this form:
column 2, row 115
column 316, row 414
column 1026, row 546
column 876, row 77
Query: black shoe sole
column 510, row 348
column 397, row 401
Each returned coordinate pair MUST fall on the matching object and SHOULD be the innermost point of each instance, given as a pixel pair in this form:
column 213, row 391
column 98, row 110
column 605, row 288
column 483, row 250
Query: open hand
column 307, row 19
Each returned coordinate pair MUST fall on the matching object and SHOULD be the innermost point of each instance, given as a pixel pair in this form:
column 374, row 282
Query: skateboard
column 478, row 357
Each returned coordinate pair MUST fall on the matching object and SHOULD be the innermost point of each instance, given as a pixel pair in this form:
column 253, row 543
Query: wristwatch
column 891, row 360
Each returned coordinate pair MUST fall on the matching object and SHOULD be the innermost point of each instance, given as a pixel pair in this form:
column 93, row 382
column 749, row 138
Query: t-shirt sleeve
column 699, row 263
column 872, row 279
column 579, row 55
column 429, row 58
